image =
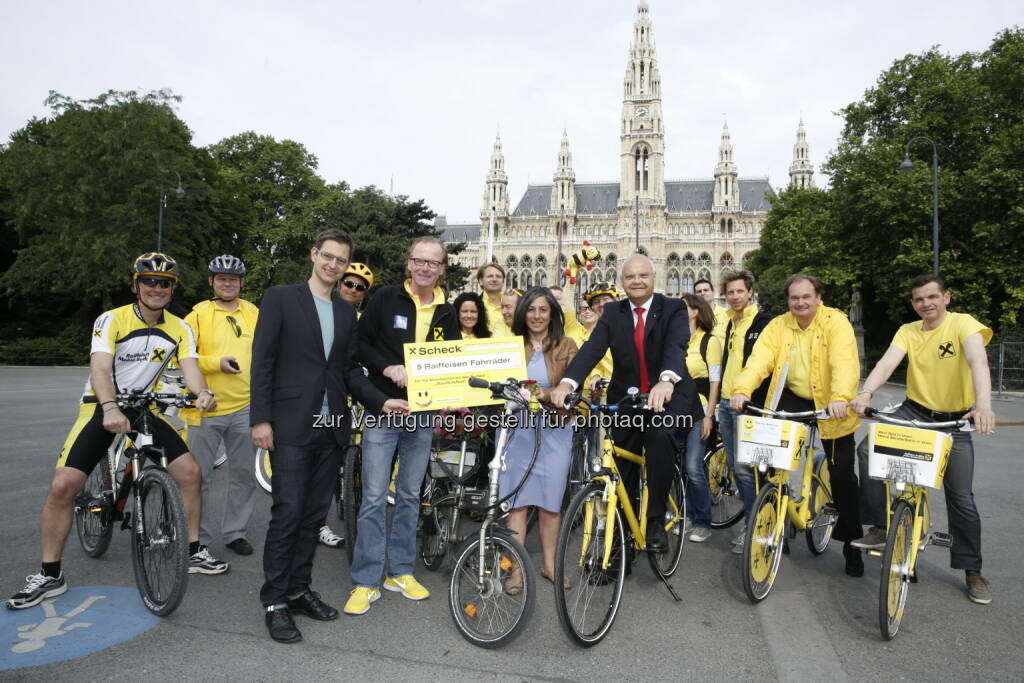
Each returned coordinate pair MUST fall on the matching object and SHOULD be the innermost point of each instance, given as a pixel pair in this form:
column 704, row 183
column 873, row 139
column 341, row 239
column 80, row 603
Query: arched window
column 515, row 281
column 527, row 261
column 723, row 225
column 672, row 283
column 688, row 280
column 689, row 260
column 511, row 262
column 542, row 279
column 704, row 274
column 527, row 280
column 704, row 261
column 642, row 160
column 729, row 224
column 726, row 260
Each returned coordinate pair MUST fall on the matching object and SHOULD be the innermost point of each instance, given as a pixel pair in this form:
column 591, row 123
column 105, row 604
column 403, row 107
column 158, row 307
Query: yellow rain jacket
column 835, row 365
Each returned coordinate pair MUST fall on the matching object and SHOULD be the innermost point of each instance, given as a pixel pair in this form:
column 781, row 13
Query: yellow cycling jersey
column 138, row 349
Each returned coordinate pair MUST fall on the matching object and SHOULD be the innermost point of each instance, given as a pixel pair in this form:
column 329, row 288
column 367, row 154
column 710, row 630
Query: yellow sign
column 923, row 452
column 439, row 372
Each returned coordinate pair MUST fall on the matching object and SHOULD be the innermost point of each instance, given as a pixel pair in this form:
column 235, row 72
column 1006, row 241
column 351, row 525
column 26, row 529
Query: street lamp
column 906, row 167
column 180, row 194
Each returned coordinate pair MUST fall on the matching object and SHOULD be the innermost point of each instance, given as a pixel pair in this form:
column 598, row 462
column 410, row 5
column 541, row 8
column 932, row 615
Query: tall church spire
column 642, row 146
column 727, row 192
column 496, row 190
column 563, row 191
column 801, row 171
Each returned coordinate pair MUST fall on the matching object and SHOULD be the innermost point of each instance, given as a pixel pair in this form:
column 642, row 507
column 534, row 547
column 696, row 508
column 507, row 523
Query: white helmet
column 227, row 264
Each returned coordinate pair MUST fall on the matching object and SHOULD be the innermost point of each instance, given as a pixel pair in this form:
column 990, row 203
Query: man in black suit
column 648, row 335
column 303, row 369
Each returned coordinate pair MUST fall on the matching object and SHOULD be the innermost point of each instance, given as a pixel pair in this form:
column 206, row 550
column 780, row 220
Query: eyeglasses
column 340, row 260
column 421, row 262
column 234, row 324
column 162, row 282
column 354, row 285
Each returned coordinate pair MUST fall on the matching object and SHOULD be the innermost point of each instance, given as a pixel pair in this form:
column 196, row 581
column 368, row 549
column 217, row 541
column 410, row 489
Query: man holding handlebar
column 947, row 379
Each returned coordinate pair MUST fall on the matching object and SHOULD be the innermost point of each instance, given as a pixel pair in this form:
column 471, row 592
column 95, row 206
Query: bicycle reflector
column 470, row 610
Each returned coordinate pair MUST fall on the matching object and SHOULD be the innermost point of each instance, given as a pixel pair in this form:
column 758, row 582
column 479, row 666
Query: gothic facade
column 689, row 228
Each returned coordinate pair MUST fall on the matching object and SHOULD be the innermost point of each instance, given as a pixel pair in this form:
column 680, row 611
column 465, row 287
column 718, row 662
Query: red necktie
column 638, row 341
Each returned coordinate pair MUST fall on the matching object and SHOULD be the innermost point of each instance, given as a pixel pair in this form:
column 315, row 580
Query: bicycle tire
column 894, row 582
column 352, row 497
column 762, row 550
column 487, row 615
column 262, row 469
column 818, row 535
column 160, row 558
column 667, row 563
column 577, row 477
column 438, row 536
column 726, row 504
column 578, row 557
column 339, row 491
column 94, row 509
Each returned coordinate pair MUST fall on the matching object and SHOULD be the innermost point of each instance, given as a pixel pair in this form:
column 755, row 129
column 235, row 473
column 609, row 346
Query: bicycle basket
column 771, row 442
column 916, row 456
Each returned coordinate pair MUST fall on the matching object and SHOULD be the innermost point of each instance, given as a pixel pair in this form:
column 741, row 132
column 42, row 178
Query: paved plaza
column 817, row 624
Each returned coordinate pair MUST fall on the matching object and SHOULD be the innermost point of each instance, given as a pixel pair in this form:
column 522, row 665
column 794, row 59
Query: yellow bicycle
column 595, row 548
column 911, row 456
column 776, row 444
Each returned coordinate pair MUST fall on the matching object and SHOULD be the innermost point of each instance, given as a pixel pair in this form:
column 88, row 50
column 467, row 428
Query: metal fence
column 1006, row 360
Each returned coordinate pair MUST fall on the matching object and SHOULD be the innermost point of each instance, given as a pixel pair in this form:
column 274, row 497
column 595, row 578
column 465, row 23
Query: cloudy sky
column 412, row 93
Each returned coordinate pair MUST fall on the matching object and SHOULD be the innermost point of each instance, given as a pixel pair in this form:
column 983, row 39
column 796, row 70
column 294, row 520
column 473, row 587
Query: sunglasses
column 162, row 282
column 354, row 285
column 234, row 325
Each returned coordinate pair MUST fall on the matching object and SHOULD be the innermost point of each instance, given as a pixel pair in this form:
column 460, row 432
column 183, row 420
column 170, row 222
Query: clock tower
column 642, row 138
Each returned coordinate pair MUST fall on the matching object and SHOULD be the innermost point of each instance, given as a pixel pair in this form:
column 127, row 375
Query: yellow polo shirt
column 424, row 312
column 798, row 377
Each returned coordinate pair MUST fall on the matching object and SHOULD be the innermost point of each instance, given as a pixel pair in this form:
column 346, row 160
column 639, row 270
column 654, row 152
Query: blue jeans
column 302, row 480
column 698, row 494
column 962, row 513
column 743, row 475
column 375, row 544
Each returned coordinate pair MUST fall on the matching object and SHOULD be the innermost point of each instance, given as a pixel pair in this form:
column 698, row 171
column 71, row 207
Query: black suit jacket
column 290, row 372
column 666, row 336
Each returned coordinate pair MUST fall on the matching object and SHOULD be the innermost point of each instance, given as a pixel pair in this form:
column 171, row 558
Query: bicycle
column 726, row 505
column 777, row 444
column 911, row 456
column 595, row 547
column 159, row 529
column 487, row 612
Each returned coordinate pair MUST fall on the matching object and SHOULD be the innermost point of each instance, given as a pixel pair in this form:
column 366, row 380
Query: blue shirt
column 325, row 311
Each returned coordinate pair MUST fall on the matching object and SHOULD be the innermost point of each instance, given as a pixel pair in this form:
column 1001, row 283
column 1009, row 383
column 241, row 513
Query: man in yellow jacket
column 811, row 355
column 223, row 329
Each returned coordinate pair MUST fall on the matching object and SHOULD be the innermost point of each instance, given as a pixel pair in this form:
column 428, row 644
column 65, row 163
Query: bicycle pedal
column 942, row 539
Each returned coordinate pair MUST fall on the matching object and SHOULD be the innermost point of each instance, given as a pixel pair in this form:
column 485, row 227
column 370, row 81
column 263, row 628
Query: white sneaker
column 205, row 563
column 699, row 534
column 329, row 538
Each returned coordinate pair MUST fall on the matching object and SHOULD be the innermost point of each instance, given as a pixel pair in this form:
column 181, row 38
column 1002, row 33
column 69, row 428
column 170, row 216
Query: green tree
column 81, row 193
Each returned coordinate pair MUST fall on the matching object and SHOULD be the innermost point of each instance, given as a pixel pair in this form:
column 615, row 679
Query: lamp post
column 906, row 167
column 180, row 194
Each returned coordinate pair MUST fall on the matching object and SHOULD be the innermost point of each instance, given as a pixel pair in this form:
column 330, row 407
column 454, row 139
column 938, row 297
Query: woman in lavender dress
column 539, row 320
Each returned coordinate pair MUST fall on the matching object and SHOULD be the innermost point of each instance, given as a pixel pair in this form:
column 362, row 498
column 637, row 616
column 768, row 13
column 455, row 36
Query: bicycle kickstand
column 670, row 588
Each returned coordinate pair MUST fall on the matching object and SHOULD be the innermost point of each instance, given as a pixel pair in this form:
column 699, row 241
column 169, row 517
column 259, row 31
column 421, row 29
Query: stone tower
column 496, row 190
column 801, row 171
column 563, row 190
column 642, row 138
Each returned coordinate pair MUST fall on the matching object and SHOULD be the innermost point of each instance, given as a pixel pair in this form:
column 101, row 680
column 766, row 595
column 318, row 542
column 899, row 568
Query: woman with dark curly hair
column 472, row 316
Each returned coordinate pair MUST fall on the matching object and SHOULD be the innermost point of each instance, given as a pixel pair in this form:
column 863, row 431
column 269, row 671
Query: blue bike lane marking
column 83, row 620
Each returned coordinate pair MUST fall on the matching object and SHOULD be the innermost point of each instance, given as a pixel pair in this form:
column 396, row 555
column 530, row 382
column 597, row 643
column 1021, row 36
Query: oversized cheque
column 438, row 372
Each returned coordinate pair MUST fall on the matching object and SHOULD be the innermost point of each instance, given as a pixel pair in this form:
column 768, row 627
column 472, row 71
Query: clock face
column 641, row 112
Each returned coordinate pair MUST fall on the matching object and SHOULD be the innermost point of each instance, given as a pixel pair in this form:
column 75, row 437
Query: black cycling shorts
column 88, row 441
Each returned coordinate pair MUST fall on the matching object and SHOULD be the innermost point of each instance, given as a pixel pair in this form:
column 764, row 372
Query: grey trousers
column 964, row 521
column 204, row 441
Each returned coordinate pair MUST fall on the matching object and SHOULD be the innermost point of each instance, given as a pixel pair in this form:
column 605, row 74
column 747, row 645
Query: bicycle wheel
column 484, row 611
column 577, row 468
column 587, row 610
column 667, row 562
column 438, row 534
column 820, row 532
column 339, row 491
column 263, row 472
column 352, row 496
column 762, row 548
column 726, row 504
column 94, row 508
column 895, row 579
column 160, row 554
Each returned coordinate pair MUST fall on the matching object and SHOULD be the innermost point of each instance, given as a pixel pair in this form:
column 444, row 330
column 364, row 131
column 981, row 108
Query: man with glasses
column 129, row 345
column 223, row 327
column 303, row 370
column 415, row 311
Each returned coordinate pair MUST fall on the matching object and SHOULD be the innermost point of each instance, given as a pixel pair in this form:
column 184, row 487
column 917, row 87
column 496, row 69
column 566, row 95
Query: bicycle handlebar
column 783, row 415
column 138, row 398
column 963, row 425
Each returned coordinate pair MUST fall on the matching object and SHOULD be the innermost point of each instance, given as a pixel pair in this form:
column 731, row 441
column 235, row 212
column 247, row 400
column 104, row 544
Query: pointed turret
column 727, row 190
column 496, row 190
column 801, row 171
column 563, row 190
column 642, row 149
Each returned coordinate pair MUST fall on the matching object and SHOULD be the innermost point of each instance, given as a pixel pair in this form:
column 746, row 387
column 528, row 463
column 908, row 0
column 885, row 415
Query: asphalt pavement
column 817, row 623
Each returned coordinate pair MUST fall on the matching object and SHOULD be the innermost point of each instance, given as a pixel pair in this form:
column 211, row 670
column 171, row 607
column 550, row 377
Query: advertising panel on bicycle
column 774, row 443
column 918, row 456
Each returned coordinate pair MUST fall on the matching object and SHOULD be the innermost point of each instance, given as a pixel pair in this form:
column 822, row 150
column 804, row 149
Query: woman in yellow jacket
column 811, row 355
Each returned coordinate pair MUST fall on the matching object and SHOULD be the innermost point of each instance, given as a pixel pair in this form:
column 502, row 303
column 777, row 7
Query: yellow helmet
column 601, row 288
column 360, row 270
column 155, row 263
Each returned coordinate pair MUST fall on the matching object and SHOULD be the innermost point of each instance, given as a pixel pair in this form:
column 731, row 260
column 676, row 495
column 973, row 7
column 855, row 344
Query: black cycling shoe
column 657, row 540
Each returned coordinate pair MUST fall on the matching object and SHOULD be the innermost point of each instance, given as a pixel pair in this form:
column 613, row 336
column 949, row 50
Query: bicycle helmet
column 601, row 288
column 226, row 264
column 155, row 263
column 361, row 270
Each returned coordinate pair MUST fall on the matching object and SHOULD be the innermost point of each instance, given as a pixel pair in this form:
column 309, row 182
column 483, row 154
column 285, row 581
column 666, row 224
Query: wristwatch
column 207, row 391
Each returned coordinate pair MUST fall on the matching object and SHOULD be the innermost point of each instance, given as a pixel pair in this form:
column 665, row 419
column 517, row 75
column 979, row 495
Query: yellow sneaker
column 408, row 586
column 360, row 598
